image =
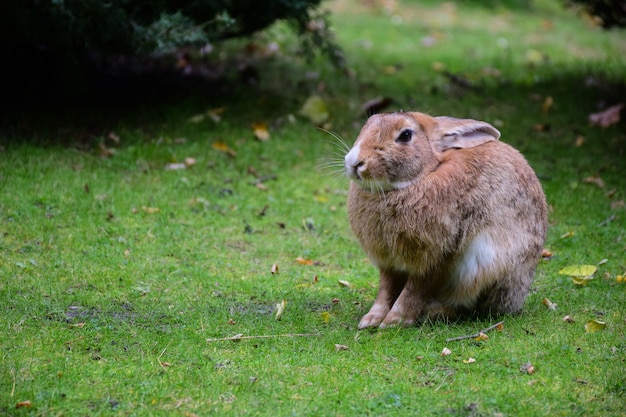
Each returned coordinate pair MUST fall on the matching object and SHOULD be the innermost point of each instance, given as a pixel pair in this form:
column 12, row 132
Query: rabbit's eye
column 405, row 136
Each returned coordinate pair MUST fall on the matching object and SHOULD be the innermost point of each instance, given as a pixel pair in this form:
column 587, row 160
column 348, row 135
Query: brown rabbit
column 454, row 219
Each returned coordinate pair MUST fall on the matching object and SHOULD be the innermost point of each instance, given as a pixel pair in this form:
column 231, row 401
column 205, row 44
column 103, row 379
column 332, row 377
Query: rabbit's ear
column 452, row 133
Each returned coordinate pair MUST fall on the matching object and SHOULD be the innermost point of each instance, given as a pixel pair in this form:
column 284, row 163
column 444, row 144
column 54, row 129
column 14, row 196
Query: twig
column 240, row 336
column 607, row 221
column 475, row 335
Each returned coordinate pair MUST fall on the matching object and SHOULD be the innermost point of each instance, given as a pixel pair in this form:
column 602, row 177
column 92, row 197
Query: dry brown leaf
column 260, row 131
column 23, row 404
column 546, row 253
column 482, row 336
column 547, row 104
column 594, row 179
column 549, row 304
column 446, row 352
column 568, row 319
column 274, row 269
column 215, row 114
column 469, row 360
column 343, row 283
column 339, row 347
column 303, row 261
column 607, row 117
column 189, row 162
column 223, row 147
column 580, row 140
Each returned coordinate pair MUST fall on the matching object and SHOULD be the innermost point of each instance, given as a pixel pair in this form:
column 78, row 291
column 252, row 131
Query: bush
column 611, row 13
column 75, row 31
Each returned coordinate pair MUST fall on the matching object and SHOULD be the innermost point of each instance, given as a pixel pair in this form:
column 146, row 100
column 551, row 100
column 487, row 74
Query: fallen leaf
column 568, row 319
column 594, row 179
column 189, row 162
column 303, row 261
column 580, row 140
column 175, row 166
column 547, row 104
column 619, row 279
column 343, row 283
column 231, row 322
column 617, row 205
column 567, row 235
column 546, row 253
column 196, row 118
column 339, row 347
column 579, row 270
column 527, row 368
column 23, row 404
column 594, row 326
column 274, row 269
column 549, row 304
column 607, row 117
column 446, row 352
column 150, row 210
column 482, row 336
column 280, row 309
column 325, row 317
column 469, row 360
column 215, row 114
column 314, row 109
column 260, row 131
column 223, row 147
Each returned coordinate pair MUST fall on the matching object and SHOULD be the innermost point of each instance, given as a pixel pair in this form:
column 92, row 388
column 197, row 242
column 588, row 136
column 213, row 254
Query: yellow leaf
column 260, row 131
column 547, row 103
column 581, row 280
column 578, row 270
column 594, row 325
column 223, row 147
column 314, row 109
column 150, row 210
column 482, row 336
column 325, row 317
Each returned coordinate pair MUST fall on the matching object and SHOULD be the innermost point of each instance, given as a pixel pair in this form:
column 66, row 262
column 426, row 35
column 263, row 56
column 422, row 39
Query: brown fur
column 454, row 219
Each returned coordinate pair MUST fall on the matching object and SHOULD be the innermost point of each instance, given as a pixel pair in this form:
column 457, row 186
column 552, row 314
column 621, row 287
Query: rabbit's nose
column 354, row 165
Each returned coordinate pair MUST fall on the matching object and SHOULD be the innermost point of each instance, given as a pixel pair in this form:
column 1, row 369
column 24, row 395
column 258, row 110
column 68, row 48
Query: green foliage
column 74, row 30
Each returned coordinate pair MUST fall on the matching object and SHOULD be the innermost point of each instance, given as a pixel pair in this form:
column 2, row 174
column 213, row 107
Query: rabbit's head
column 395, row 150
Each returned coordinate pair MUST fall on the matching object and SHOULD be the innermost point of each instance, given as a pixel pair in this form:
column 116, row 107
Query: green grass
column 107, row 303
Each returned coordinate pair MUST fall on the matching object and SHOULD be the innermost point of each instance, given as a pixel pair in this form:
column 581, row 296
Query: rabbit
column 454, row 219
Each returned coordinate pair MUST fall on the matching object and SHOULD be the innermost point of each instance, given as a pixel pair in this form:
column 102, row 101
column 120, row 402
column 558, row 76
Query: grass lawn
column 117, row 274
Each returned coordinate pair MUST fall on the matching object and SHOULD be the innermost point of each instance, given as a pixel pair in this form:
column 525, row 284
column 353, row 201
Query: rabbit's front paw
column 374, row 317
column 396, row 318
